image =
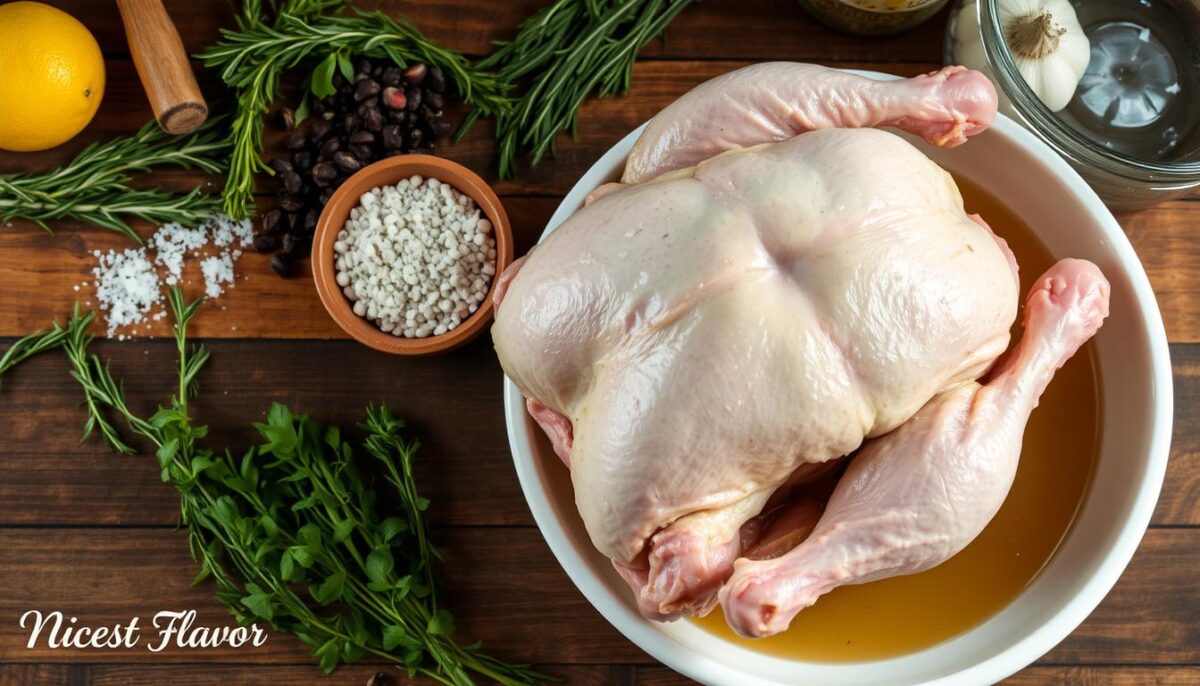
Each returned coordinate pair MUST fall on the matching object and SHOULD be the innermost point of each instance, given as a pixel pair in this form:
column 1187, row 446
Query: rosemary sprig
column 94, row 187
column 39, row 342
column 291, row 532
column 254, row 56
column 568, row 51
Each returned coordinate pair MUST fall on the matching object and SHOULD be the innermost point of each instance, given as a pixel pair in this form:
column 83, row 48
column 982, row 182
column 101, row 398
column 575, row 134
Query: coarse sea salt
column 130, row 283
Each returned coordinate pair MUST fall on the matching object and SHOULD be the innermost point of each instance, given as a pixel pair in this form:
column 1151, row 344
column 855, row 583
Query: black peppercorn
column 392, row 76
column 266, row 242
column 291, row 203
column 329, row 147
column 281, row 264
column 346, row 162
column 372, row 118
column 271, row 220
column 291, row 182
column 436, row 80
column 280, row 165
column 323, row 173
column 302, row 159
column 367, row 88
column 393, row 138
column 415, row 74
column 319, row 130
column 296, row 142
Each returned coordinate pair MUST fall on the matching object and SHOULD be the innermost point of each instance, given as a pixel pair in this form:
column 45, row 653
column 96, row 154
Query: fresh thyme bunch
column 566, row 52
column 253, row 57
column 290, row 531
column 94, row 187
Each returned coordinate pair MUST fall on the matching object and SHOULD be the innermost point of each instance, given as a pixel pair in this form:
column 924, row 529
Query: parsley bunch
column 290, row 531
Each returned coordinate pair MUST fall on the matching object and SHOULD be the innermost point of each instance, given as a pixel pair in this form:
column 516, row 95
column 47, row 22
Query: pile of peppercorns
column 385, row 111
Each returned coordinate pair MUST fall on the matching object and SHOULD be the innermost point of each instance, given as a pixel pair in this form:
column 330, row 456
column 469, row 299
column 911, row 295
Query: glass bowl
column 1124, row 181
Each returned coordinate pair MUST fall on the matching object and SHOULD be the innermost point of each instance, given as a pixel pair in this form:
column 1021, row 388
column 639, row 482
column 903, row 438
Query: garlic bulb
column 1045, row 39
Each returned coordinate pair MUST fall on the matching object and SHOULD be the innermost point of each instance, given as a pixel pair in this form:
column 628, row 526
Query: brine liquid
column 904, row 614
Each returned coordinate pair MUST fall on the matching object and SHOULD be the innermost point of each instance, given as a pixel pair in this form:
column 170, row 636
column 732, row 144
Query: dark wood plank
column 111, row 575
column 1106, row 676
column 505, row 588
column 48, row 478
column 465, row 466
column 1152, row 615
column 1165, row 240
column 1179, row 502
column 43, row 271
column 752, row 29
column 206, row 674
column 36, row 675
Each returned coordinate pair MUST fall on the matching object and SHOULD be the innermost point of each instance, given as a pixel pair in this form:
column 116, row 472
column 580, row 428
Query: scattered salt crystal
column 127, row 287
column 217, row 270
column 129, row 283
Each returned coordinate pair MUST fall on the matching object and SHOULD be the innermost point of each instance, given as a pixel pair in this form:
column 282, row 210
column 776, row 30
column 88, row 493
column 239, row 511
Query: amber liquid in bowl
column 902, row 615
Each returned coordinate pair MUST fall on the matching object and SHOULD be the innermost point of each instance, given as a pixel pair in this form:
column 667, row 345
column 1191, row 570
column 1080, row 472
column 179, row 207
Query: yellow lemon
column 51, row 76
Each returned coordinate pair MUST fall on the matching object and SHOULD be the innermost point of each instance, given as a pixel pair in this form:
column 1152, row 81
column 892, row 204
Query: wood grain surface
column 96, row 535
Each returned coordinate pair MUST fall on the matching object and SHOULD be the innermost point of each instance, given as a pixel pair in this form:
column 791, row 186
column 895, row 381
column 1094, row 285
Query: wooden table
column 95, row 535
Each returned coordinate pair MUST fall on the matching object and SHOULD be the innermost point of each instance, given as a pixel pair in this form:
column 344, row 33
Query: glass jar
column 872, row 17
column 1099, row 149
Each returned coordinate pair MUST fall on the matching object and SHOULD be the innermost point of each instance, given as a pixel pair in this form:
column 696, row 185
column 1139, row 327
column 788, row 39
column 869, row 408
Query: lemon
column 51, row 76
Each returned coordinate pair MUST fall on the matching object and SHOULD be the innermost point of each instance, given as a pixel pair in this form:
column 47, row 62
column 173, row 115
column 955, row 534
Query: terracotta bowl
column 333, row 219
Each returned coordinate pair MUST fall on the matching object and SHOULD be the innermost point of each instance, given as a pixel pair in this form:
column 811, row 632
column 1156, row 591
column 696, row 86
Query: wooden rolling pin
column 163, row 66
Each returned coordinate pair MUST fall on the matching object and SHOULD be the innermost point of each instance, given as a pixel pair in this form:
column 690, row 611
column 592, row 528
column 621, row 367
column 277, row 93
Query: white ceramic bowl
column 1136, row 429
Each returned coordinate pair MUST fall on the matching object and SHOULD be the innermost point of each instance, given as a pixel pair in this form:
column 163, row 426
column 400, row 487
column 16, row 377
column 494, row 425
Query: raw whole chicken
column 772, row 286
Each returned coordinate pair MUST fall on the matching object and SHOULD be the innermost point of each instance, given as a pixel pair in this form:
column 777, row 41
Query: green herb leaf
column 166, row 452
column 268, row 525
column 345, row 66
column 327, row 655
column 200, row 463
column 441, row 624
column 330, row 589
column 343, row 530
column 287, row 566
column 302, row 555
column 391, row 527
column 260, row 605
column 380, row 565
column 393, row 636
column 322, row 77
column 303, row 110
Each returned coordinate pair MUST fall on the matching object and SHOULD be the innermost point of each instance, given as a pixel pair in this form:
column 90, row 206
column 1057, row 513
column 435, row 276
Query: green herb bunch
column 291, row 531
column 566, row 52
column 95, row 186
column 253, row 57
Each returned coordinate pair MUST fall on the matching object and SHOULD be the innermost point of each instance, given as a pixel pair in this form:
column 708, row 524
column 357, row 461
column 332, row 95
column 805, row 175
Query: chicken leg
column 774, row 101
column 913, row 498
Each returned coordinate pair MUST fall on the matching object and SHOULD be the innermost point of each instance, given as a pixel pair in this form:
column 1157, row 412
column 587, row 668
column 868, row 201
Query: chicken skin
column 773, row 286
